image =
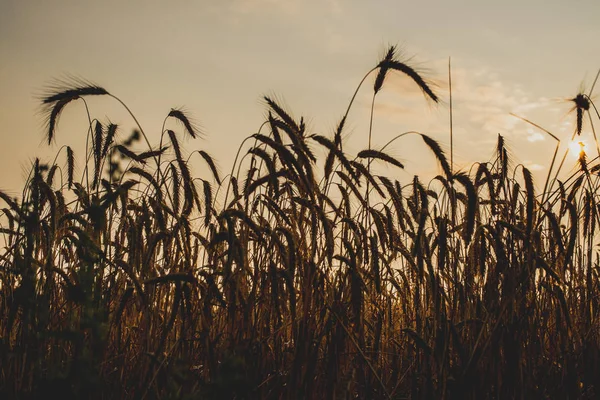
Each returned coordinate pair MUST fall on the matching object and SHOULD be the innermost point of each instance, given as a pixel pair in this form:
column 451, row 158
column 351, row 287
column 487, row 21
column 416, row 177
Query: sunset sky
column 217, row 58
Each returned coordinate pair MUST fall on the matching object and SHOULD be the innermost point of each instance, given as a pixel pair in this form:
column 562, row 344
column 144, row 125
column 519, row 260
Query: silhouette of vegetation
column 291, row 277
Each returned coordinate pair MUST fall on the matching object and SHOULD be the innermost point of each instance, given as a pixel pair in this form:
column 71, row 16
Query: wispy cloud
column 534, row 136
column 482, row 105
column 533, row 166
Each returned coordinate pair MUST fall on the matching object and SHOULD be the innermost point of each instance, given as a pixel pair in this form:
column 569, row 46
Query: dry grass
column 138, row 281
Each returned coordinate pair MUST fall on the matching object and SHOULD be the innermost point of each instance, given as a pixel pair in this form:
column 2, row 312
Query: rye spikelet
column 62, row 93
column 70, row 166
column 582, row 104
column 190, row 126
column 282, row 114
column 439, row 154
column 384, row 66
column 418, row 79
column 381, row 156
column 129, row 154
column 111, row 133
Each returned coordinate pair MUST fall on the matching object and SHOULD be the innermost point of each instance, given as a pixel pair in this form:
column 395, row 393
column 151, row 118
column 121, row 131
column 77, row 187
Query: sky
column 216, row 59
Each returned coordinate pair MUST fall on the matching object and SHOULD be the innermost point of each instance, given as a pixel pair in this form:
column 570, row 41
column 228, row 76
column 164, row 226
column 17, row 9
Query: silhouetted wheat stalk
column 140, row 280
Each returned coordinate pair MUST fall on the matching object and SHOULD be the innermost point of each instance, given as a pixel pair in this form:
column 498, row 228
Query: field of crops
column 123, row 275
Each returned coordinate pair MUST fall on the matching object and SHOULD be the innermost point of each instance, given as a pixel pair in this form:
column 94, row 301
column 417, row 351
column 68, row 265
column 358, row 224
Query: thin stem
column 451, row 133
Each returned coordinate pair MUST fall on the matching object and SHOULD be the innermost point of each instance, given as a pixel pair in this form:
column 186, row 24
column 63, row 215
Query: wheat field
column 125, row 276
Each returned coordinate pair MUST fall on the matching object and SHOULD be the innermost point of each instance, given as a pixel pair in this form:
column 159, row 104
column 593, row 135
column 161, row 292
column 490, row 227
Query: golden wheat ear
column 423, row 84
column 582, row 104
column 381, row 156
column 384, row 66
column 61, row 93
column 391, row 62
column 439, row 154
column 189, row 124
column 70, row 165
column 281, row 113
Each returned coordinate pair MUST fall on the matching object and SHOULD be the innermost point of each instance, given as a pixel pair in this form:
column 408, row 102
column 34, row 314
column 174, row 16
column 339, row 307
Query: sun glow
column 576, row 147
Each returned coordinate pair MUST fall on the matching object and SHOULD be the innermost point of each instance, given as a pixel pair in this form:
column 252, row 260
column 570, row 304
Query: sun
column 576, row 147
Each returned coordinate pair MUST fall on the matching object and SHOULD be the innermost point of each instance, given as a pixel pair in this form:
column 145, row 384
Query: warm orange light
column 576, row 147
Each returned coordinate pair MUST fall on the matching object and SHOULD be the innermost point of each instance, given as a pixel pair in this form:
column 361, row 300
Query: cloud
column 533, row 166
column 482, row 104
column 534, row 136
column 565, row 126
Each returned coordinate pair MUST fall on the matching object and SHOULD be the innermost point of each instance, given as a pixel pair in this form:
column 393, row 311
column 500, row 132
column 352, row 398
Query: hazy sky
column 217, row 58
